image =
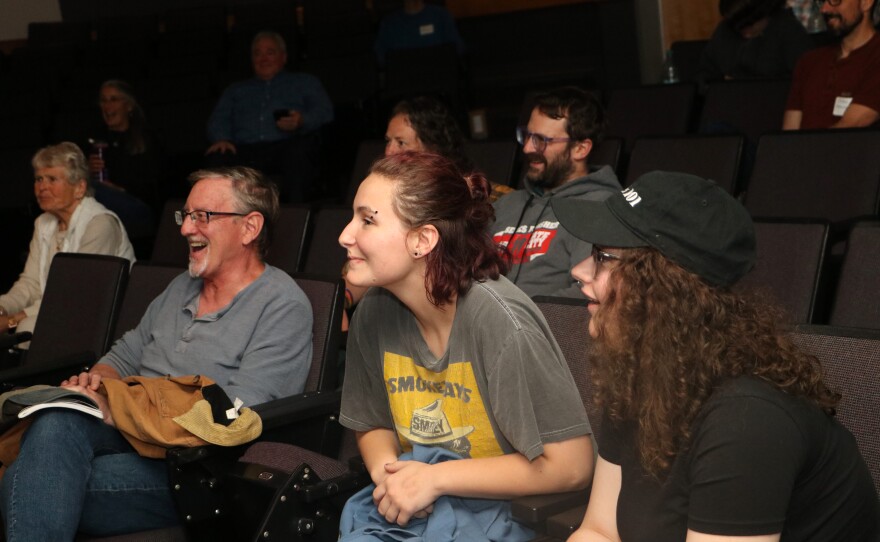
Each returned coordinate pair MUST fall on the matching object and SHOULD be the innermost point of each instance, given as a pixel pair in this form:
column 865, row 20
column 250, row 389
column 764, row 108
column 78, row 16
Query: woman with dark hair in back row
column 448, row 362
column 124, row 160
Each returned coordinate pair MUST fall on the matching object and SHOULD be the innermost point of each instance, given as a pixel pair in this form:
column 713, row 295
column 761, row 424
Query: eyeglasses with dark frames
column 539, row 141
column 832, row 3
column 199, row 216
column 600, row 257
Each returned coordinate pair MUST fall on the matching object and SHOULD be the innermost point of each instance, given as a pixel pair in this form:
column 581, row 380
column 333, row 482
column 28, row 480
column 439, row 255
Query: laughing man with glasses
column 232, row 318
column 563, row 128
column 838, row 86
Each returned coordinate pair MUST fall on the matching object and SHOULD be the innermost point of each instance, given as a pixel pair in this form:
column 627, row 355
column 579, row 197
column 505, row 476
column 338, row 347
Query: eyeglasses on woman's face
column 600, row 259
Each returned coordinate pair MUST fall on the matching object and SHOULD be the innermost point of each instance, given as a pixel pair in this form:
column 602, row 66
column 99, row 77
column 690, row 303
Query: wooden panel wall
column 688, row 19
column 472, row 8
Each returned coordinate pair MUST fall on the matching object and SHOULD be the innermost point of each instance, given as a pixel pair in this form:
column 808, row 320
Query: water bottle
column 98, row 147
column 815, row 23
column 669, row 71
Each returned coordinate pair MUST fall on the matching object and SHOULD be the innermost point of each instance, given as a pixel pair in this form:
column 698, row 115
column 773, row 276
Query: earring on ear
column 417, row 253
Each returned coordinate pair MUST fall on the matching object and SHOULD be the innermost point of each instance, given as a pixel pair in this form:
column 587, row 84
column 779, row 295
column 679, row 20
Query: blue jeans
column 75, row 473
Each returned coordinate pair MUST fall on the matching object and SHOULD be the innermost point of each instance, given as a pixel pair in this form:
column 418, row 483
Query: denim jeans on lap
column 73, row 473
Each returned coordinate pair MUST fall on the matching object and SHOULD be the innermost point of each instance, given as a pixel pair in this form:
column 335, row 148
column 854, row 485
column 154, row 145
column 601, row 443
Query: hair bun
column 479, row 185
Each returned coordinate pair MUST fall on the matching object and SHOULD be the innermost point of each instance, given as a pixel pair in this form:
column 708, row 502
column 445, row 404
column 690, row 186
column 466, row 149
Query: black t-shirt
column 760, row 462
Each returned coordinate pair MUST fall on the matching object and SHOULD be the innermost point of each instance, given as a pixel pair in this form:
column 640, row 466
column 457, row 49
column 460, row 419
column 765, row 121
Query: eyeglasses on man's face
column 832, row 3
column 539, row 141
column 199, row 216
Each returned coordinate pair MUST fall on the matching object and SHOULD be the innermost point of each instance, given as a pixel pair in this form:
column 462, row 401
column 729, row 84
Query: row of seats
column 830, row 174
column 288, row 490
column 797, row 270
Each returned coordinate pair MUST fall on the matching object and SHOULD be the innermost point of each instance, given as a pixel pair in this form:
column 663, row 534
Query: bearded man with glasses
column 838, row 86
column 563, row 127
column 232, row 317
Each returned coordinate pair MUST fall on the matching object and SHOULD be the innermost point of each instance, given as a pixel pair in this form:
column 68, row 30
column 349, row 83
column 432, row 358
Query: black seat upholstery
column 606, row 153
column 650, row 110
column 851, row 360
column 495, row 159
column 433, row 70
column 749, row 107
column 687, row 55
column 169, row 247
column 286, row 251
column 324, row 255
column 75, row 326
column 145, row 283
column 789, row 270
column 368, row 152
column 857, row 300
column 831, row 174
column 710, row 157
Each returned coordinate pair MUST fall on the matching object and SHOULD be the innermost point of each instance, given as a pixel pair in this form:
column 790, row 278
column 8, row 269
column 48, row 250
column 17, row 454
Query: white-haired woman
column 72, row 221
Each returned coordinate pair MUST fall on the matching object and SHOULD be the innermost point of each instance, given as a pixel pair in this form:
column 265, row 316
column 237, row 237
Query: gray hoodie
column 543, row 253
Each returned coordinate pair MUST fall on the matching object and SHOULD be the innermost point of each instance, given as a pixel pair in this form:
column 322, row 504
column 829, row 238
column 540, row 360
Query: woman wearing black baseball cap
column 714, row 424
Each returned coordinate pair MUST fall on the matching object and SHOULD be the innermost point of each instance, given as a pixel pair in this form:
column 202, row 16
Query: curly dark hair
column 435, row 127
column 666, row 339
column 431, row 190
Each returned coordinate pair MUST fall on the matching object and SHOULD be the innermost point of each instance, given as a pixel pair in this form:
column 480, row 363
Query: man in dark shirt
column 838, row 86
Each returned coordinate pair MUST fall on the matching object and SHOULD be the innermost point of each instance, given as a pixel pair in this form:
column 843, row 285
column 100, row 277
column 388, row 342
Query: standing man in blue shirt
column 272, row 121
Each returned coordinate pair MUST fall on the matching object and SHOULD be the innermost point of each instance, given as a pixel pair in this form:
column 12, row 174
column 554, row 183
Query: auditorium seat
column 828, row 174
column 650, row 110
column 790, row 267
column 710, row 157
column 857, row 299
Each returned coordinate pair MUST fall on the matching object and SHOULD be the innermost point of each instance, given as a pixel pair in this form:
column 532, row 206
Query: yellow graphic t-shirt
column 439, row 409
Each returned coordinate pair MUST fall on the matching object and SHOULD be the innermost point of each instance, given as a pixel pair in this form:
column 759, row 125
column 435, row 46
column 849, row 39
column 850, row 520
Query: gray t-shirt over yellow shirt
column 257, row 348
column 502, row 386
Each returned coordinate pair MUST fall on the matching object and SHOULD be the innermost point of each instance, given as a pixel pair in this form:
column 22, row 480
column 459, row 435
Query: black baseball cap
column 690, row 220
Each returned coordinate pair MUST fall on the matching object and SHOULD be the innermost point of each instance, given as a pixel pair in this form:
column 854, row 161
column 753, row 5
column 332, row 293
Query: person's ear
column 581, row 149
column 80, row 189
column 252, row 225
column 422, row 240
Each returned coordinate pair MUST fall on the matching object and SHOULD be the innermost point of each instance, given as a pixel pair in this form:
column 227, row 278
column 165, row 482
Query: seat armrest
column 533, row 510
column 277, row 413
column 9, row 340
column 50, row 373
column 562, row 525
column 298, row 408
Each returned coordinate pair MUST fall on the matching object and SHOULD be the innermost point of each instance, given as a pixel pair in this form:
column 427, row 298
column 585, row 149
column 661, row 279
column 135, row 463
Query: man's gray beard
column 196, row 269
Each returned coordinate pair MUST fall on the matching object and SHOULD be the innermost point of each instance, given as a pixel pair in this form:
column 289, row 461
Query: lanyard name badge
column 841, row 103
